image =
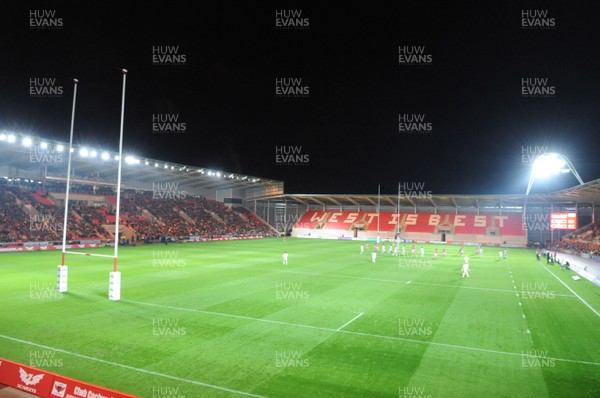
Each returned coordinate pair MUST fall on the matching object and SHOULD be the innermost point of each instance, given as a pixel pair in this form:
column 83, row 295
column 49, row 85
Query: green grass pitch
column 227, row 319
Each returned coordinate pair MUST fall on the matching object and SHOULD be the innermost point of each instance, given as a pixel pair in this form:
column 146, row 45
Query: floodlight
column 60, row 148
column 550, row 164
column 43, row 145
column 27, row 141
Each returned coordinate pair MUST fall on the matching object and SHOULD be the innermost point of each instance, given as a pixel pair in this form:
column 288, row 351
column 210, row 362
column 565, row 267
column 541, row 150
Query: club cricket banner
column 51, row 385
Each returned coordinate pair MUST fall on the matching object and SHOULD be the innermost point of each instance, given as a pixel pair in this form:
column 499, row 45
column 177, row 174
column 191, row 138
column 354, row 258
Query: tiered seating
column 584, row 240
column 42, row 197
column 419, row 223
column 26, row 214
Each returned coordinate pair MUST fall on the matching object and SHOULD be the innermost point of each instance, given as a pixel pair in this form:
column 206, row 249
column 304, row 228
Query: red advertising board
column 51, row 385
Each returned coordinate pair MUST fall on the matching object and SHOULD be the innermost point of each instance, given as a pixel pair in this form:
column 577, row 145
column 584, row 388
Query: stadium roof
column 586, row 194
column 39, row 161
column 30, row 157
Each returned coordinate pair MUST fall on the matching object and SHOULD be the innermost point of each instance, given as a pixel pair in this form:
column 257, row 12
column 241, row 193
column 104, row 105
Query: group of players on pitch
column 395, row 249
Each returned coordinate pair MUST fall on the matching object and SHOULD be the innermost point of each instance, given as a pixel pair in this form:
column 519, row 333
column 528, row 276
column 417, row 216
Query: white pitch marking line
column 349, row 322
column 572, row 291
column 408, row 283
column 380, row 336
column 397, row 281
column 120, row 365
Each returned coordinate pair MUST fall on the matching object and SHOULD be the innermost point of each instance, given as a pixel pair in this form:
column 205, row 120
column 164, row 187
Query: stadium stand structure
column 444, row 227
column 196, row 200
column 516, row 219
column 29, row 215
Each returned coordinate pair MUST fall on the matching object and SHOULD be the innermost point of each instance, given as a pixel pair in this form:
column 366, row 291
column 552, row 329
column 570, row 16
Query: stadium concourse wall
column 422, row 227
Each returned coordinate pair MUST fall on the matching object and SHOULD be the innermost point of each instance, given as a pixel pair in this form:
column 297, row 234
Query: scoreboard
column 565, row 220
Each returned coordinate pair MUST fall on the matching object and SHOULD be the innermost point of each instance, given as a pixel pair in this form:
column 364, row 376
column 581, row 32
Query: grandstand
column 165, row 199
column 161, row 200
column 517, row 219
column 234, row 320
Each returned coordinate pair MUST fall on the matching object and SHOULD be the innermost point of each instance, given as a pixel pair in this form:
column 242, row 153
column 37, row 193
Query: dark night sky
column 348, row 58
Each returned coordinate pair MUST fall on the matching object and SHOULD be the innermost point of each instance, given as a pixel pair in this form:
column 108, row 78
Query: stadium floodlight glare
column 131, row 160
column 550, row 164
column 43, row 145
column 93, row 153
column 83, row 152
column 27, row 141
column 11, row 138
column 105, row 156
column 60, row 148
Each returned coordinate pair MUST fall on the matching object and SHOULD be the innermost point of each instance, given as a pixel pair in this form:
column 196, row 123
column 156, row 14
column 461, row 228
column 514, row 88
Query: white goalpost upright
column 63, row 270
column 114, row 284
column 378, row 210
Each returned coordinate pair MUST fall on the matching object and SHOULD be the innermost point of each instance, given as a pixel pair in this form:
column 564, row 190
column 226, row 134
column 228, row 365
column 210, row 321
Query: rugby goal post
column 114, row 284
